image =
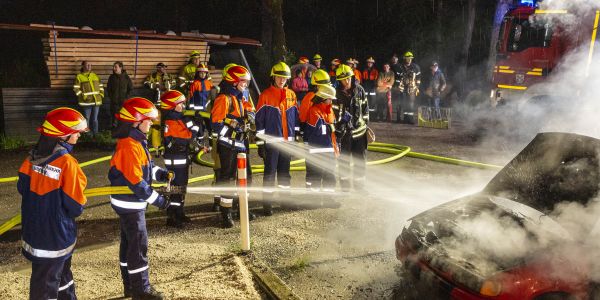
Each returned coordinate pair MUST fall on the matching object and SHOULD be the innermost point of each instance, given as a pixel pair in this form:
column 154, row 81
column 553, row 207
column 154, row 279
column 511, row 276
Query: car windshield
column 527, row 33
column 553, row 168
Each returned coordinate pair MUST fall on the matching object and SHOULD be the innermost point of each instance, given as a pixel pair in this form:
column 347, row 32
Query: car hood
column 552, row 168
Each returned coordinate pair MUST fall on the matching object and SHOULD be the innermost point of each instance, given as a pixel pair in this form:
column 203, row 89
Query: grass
column 11, row 143
column 300, row 264
column 103, row 139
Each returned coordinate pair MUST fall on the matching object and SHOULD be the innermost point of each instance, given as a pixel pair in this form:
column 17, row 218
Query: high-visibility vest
column 88, row 89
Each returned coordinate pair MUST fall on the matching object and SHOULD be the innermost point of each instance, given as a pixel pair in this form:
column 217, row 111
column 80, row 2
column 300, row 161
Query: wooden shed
column 22, row 109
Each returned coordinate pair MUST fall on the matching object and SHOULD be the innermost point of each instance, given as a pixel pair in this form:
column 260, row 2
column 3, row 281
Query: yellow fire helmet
column 320, row 77
column 343, row 72
column 281, row 69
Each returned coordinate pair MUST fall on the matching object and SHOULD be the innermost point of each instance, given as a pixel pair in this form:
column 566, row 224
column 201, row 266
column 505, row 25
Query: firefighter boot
column 182, row 216
column 150, row 294
column 236, row 210
column 226, row 218
column 173, row 212
column 226, row 204
column 216, row 203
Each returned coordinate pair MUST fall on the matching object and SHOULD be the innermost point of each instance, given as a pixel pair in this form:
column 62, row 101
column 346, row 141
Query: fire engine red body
column 533, row 42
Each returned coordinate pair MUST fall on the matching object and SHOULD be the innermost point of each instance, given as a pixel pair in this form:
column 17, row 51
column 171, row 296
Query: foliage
column 300, row 264
column 102, row 140
column 11, row 143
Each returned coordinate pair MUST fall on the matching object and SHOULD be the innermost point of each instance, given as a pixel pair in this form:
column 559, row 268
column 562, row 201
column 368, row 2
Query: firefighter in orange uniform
column 232, row 118
column 180, row 134
column 51, row 184
column 353, row 63
column 318, row 78
column 200, row 89
column 132, row 166
column 277, row 118
column 335, row 63
column 369, row 81
column 319, row 134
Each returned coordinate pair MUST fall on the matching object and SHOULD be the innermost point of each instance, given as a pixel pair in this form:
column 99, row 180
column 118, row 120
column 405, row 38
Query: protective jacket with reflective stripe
column 277, row 113
column 52, row 197
column 199, row 92
column 186, row 75
column 179, row 129
column 319, row 131
column 229, row 107
column 88, row 89
column 305, row 106
column 131, row 166
column 156, row 80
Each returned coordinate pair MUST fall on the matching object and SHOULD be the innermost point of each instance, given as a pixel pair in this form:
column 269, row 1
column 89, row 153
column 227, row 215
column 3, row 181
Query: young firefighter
column 277, row 118
column 158, row 82
column 231, row 117
column 319, row 133
column 351, row 100
column 318, row 78
column 132, row 166
column 200, row 89
column 179, row 133
column 51, row 184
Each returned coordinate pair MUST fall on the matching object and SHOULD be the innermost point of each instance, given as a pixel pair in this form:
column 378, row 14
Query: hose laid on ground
column 398, row 152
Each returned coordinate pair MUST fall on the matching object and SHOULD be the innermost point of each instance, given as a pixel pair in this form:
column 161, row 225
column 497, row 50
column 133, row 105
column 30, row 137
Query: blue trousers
column 91, row 115
column 133, row 252
column 52, row 281
column 277, row 165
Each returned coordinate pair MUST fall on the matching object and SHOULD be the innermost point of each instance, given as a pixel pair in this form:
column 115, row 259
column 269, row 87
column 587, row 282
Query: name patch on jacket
column 48, row 171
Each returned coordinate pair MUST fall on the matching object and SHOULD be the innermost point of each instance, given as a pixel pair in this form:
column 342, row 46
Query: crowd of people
column 325, row 113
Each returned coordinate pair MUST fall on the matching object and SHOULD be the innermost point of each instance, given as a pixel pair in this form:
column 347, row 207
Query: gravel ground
column 324, row 253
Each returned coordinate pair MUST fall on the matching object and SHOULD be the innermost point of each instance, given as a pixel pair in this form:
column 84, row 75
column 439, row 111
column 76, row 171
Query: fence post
column 243, row 195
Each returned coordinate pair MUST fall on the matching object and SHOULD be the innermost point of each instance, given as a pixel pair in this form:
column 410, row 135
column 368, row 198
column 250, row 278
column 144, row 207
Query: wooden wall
column 103, row 52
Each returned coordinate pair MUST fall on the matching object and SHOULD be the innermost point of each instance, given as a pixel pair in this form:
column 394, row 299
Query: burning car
column 531, row 233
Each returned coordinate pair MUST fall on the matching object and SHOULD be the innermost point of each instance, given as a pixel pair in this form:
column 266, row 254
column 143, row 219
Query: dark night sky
column 357, row 28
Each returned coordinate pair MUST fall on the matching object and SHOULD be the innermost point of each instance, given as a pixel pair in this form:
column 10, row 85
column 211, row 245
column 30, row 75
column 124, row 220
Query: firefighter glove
column 164, row 204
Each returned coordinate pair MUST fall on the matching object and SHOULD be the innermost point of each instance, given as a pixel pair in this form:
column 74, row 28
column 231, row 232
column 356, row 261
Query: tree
column 501, row 10
column 464, row 52
column 272, row 35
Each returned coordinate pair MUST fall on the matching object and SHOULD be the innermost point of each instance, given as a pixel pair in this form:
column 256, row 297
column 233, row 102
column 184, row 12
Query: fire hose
column 397, row 151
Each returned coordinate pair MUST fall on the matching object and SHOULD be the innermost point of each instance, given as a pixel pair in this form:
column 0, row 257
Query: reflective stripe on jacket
column 131, row 166
column 154, row 80
column 180, row 129
column 88, row 89
column 226, row 108
column 277, row 113
column 52, row 197
column 319, row 132
column 199, row 92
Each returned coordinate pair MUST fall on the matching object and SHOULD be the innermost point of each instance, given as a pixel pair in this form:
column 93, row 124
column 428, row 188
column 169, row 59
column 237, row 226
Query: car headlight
column 491, row 288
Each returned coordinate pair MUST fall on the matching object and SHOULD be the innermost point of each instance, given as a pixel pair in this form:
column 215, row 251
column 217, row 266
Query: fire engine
column 533, row 41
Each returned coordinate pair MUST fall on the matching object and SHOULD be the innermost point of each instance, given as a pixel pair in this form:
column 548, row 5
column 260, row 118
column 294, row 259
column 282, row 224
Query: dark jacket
column 355, row 102
column 119, row 88
column 437, row 83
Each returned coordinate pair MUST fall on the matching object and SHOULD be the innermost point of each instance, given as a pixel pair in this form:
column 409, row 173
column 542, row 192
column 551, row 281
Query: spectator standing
column 300, row 85
column 90, row 93
column 119, row 88
column 369, row 80
column 385, row 81
column 437, row 84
